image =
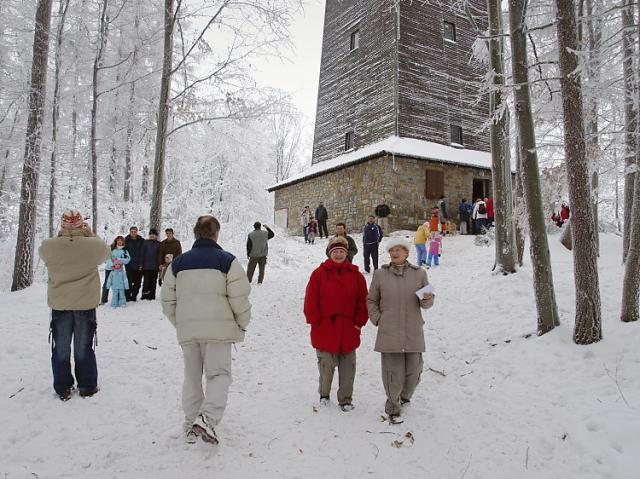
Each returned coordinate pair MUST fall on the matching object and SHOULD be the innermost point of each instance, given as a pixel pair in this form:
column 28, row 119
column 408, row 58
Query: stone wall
column 351, row 193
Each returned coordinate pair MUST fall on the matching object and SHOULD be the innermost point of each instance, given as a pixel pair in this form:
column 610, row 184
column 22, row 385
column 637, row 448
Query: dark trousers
column 134, row 275
column 149, row 285
column 79, row 326
column 261, row 262
column 322, row 227
column 105, row 290
column 370, row 253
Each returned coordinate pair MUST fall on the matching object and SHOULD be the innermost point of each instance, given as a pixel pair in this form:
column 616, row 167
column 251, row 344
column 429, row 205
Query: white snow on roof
column 395, row 145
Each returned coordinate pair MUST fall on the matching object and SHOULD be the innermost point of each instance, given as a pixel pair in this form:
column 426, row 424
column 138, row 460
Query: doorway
column 481, row 189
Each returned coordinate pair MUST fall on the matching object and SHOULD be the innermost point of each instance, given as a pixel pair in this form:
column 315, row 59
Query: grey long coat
column 395, row 309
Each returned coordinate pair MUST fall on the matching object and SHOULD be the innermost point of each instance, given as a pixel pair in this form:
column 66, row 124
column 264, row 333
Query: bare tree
column 97, row 65
column 286, row 131
column 505, row 248
column 631, row 284
column 23, row 265
column 629, row 118
column 588, row 326
column 55, row 116
column 528, row 155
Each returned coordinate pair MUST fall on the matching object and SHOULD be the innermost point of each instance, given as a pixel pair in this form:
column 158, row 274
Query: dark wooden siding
column 356, row 90
column 438, row 86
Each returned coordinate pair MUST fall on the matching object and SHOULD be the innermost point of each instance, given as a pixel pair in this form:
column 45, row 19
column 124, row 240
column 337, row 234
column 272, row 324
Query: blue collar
column 205, row 243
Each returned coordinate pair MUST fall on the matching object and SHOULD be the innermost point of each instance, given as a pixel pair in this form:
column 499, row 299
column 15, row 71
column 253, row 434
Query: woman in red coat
column 335, row 305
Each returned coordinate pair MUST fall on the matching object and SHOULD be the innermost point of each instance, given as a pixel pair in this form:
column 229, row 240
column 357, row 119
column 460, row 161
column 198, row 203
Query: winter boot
column 203, row 427
column 190, row 437
column 65, row 395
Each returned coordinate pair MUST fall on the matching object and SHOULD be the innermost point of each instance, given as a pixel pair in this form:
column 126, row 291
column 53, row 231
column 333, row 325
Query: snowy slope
column 509, row 406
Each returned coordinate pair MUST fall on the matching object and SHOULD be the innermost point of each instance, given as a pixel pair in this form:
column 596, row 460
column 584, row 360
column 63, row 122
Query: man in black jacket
column 382, row 212
column 321, row 218
column 133, row 243
column 371, row 238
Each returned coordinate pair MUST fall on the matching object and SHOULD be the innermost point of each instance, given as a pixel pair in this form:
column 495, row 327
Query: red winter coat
column 490, row 213
column 334, row 304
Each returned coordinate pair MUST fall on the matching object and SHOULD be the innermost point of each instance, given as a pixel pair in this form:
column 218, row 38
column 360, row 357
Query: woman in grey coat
column 395, row 309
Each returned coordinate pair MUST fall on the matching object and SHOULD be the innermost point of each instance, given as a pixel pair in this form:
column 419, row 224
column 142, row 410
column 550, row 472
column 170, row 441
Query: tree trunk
column 594, row 45
column 155, row 217
column 55, row 116
column 7, row 152
column 539, row 248
column 629, row 119
column 23, row 265
column 97, row 63
column 520, row 210
column 631, row 284
column 500, row 167
column 588, row 326
column 128, row 166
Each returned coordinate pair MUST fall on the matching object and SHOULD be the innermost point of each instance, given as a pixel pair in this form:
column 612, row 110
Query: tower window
column 450, row 31
column 348, row 141
column 355, row 40
column 456, row 134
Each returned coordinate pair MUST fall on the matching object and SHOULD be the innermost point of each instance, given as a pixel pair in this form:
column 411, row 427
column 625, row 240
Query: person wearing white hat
column 394, row 307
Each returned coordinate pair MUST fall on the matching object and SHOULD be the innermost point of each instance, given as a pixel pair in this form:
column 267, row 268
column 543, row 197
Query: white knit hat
column 397, row 241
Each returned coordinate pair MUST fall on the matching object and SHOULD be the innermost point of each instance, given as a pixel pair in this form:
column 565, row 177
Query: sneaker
column 404, row 402
column 395, row 419
column 324, row 400
column 191, row 437
column 203, row 427
column 65, row 395
column 347, row 407
column 89, row 393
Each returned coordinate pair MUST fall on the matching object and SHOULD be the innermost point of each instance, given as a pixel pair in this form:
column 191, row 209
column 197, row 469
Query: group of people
column 475, row 218
column 205, row 295
column 134, row 262
column 428, row 244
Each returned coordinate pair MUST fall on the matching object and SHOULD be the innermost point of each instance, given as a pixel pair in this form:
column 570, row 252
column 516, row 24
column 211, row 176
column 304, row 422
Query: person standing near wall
column 382, row 212
column 371, row 238
column 321, row 217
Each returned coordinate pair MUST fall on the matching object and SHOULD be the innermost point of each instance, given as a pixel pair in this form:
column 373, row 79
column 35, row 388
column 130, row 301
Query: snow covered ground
column 509, row 404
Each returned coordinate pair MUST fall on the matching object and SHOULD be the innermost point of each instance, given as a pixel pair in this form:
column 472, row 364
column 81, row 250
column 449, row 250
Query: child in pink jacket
column 434, row 250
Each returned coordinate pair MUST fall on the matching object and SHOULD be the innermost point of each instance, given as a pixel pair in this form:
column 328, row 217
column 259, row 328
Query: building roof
column 394, row 145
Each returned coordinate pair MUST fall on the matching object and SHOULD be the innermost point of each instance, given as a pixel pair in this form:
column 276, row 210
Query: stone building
column 400, row 114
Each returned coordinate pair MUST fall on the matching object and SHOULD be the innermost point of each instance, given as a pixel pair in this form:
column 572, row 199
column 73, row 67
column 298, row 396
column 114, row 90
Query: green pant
column 346, row 364
column 400, row 376
column 261, row 262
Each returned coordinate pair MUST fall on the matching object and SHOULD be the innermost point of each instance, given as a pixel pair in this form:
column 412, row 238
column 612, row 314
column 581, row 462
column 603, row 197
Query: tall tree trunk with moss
column 539, row 247
column 155, row 218
column 23, row 265
column 500, row 165
column 588, row 322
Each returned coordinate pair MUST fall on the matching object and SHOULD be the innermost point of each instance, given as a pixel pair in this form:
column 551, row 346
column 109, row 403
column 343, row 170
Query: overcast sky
column 298, row 73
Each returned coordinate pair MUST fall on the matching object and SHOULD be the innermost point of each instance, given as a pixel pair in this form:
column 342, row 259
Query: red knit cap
column 338, row 243
column 72, row 220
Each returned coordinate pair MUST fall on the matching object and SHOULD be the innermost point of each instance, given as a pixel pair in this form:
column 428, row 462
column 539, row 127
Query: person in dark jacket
column 442, row 206
column 321, row 217
column 133, row 243
column 341, row 230
column 257, row 250
column 335, row 307
column 371, row 238
column 150, row 265
column 170, row 249
column 383, row 211
column 464, row 215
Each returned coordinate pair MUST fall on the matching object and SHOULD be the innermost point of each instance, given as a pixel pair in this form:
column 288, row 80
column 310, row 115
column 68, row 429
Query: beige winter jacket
column 205, row 303
column 72, row 261
column 395, row 309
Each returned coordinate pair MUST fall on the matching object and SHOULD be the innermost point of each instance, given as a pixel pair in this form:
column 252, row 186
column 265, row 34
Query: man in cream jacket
column 205, row 295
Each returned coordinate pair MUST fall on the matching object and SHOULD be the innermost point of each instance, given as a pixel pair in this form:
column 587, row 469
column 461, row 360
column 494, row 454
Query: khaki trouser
column 215, row 360
column 384, row 224
column 346, row 364
column 400, row 376
column 261, row 262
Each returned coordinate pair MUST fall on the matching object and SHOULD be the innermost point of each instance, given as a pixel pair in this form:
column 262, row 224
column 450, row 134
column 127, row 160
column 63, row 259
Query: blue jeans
column 421, row 249
column 81, row 327
column 433, row 257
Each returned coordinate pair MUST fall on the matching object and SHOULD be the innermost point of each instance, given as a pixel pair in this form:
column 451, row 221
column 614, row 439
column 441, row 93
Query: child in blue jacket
column 117, row 281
